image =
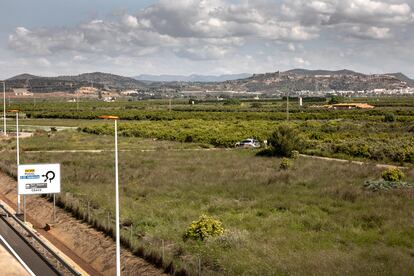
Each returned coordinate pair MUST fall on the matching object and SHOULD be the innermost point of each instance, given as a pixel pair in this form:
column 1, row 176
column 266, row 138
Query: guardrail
column 58, row 259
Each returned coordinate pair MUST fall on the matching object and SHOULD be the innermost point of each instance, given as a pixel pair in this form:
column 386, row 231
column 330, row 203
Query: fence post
column 162, row 250
column 88, row 212
column 130, row 234
column 107, row 222
column 199, row 266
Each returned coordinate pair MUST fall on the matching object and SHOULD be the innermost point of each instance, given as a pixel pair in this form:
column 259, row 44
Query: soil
column 89, row 248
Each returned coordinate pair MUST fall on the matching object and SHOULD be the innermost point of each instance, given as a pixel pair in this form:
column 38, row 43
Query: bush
column 203, row 228
column 285, row 164
column 257, row 105
column 295, row 154
column 336, row 100
column 389, row 117
column 393, row 174
column 383, row 185
column 232, row 101
column 284, row 140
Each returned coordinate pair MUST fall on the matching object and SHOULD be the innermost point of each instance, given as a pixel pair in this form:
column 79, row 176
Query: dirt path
column 385, row 166
column 91, row 249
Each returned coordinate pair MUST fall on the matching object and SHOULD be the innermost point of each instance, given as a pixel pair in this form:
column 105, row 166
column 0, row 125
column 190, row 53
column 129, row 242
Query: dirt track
column 91, row 249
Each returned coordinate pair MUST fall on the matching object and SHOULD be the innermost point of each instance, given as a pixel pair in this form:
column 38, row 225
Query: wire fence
column 159, row 252
column 163, row 254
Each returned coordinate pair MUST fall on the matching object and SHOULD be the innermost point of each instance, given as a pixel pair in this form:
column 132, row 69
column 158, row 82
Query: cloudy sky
column 130, row 37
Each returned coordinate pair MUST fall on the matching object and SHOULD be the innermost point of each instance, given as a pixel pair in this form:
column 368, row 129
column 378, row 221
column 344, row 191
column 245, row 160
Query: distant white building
column 129, row 92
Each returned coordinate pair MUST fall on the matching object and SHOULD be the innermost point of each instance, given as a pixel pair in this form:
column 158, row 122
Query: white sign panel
column 38, row 179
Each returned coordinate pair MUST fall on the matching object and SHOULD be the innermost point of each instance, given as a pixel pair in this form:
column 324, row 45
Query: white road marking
column 17, row 256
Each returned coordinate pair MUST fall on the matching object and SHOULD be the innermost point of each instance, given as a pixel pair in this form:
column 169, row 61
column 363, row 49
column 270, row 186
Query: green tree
column 336, row 100
column 389, row 117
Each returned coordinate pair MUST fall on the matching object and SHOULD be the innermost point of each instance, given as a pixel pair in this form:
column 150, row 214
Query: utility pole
column 4, row 109
column 287, row 106
column 117, row 230
column 18, row 156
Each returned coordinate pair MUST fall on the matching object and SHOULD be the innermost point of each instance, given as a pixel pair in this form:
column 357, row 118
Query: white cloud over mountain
column 221, row 31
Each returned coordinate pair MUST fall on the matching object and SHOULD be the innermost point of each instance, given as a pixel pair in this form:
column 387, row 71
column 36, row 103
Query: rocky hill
column 71, row 83
column 191, row 78
column 319, row 80
column 292, row 80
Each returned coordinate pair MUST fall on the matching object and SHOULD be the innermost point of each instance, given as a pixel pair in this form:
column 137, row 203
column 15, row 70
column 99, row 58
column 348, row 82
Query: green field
column 315, row 218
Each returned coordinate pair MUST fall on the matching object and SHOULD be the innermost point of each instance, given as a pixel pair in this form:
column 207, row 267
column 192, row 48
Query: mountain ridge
column 191, row 78
column 292, row 80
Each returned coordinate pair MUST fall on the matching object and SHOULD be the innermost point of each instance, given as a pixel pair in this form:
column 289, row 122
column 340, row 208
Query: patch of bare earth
column 91, row 249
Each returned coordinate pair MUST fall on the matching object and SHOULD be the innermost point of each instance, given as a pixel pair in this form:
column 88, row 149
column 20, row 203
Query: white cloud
column 218, row 35
column 44, row 62
column 301, row 61
column 130, row 21
column 172, row 26
column 370, row 32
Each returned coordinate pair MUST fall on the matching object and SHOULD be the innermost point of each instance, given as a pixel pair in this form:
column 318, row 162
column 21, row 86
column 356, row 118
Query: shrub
column 203, row 228
column 257, row 105
column 336, row 100
column 383, row 185
column 393, row 174
column 389, row 117
column 294, row 154
column 284, row 140
column 285, row 164
column 232, row 101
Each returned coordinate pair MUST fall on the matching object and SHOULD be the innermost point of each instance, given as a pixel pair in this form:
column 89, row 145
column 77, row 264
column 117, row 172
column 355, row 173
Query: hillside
column 322, row 72
column 319, row 80
column 403, row 77
column 23, row 77
column 292, row 80
column 191, row 78
column 71, row 83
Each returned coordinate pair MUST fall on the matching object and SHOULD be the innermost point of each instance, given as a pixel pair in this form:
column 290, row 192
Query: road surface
column 29, row 256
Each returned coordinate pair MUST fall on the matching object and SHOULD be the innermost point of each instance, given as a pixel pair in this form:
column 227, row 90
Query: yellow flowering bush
column 203, row 228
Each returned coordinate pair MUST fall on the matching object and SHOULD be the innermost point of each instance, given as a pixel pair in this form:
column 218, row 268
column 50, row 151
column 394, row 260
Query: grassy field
column 313, row 219
column 383, row 134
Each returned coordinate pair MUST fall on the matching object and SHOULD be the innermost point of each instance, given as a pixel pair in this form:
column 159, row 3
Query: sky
column 209, row 37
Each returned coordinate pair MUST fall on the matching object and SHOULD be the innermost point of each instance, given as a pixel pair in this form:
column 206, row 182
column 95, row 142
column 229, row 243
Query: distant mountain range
column 191, row 78
column 292, row 80
column 71, row 83
column 321, row 80
column 345, row 72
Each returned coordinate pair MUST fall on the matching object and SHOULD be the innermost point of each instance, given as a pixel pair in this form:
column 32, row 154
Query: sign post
column 37, row 179
column 17, row 151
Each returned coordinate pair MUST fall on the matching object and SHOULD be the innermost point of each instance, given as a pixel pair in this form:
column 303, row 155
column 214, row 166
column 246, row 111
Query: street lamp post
column 4, row 109
column 17, row 151
column 117, row 231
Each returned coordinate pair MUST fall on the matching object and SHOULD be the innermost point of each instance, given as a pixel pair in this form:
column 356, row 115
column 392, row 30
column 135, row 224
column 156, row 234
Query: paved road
column 25, row 251
column 9, row 264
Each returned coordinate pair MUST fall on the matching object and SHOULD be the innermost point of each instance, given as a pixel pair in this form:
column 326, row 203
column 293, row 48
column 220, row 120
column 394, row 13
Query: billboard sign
column 38, row 179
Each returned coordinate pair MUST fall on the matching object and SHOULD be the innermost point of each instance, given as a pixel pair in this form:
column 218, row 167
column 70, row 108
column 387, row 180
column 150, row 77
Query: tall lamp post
column 4, row 108
column 17, row 151
column 117, row 239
